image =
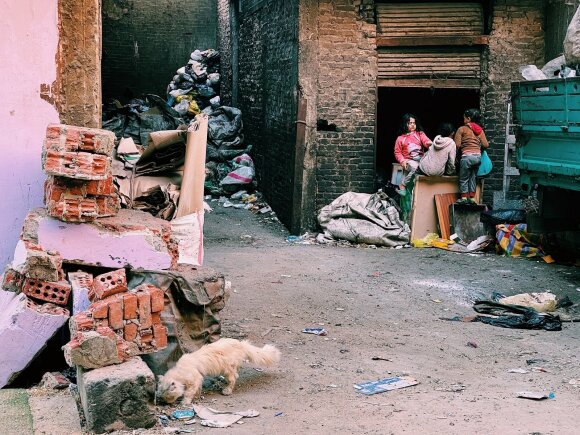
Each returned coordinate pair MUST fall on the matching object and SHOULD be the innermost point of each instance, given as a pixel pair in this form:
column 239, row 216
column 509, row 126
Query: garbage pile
column 196, row 85
column 565, row 66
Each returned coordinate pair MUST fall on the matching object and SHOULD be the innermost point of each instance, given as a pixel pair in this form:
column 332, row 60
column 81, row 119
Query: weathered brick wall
column 268, row 76
column 224, row 43
column 517, row 38
column 345, row 160
column 145, row 41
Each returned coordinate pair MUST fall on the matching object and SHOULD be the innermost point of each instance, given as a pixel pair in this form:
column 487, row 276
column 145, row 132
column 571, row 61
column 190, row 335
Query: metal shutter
column 430, row 19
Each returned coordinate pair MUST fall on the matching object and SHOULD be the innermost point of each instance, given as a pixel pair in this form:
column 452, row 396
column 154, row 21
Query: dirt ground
column 386, row 303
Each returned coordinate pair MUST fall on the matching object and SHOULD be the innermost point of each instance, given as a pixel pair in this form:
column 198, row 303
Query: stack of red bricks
column 132, row 318
column 40, row 276
column 78, row 160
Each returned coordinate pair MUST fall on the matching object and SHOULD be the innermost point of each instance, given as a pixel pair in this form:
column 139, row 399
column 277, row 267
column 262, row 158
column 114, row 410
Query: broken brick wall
column 516, row 39
column 146, row 41
column 267, row 82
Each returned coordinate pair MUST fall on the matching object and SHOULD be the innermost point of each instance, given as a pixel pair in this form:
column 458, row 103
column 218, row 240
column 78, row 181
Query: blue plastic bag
column 485, row 166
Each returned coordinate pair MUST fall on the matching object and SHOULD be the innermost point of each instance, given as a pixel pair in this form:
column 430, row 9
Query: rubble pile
column 84, row 254
column 196, row 85
column 80, row 183
column 124, row 323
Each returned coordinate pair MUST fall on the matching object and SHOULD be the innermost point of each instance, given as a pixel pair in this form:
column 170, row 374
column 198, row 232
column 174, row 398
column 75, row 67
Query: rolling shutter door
column 428, row 22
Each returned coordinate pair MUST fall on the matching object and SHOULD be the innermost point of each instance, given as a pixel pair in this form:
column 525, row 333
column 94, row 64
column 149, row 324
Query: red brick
column 157, row 299
column 72, row 138
column 160, row 334
column 144, row 309
column 55, row 292
column 81, row 165
column 78, row 209
column 81, row 322
column 102, row 323
column 130, row 332
column 129, row 306
column 155, row 318
column 100, row 309
column 109, row 283
column 145, row 335
column 116, row 312
column 56, row 187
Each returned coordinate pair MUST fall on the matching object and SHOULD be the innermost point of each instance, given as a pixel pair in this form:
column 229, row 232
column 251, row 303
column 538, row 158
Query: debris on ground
column 534, row 395
column 213, row 418
column 315, row 331
column 514, row 316
column 383, row 385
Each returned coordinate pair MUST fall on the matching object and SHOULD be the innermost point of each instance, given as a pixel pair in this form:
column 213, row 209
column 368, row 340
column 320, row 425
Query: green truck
column 546, row 117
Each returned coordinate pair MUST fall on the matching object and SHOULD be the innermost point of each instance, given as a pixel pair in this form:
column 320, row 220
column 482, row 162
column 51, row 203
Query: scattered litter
column 541, row 302
column 183, row 414
column 533, row 361
column 315, row 331
column 332, row 386
column 539, row 370
column 266, row 332
column 472, row 344
column 238, row 195
column 163, row 419
column 575, row 382
column 340, row 309
column 258, row 369
column 456, row 388
column 279, row 414
column 535, row 396
column 188, row 422
column 380, row 358
column 383, row 385
column 213, row 418
column 437, row 301
column 515, row 316
column 522, row 371
column 286, row 276
column 266, row 209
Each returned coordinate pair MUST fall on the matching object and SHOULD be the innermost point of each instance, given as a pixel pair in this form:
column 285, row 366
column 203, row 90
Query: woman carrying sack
column 470, row 141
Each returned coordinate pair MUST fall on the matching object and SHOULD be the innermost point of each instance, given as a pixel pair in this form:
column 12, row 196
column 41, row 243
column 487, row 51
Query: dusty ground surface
column 386, row 303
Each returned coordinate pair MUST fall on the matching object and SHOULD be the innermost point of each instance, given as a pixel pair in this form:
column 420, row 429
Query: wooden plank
column 442, row 203
column 424, row 214
column 410, row 41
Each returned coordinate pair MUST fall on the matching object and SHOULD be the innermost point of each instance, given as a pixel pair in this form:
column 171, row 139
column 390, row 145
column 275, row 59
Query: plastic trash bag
column 515, row 316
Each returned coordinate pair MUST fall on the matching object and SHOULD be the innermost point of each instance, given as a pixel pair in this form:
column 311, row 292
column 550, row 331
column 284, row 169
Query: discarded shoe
column 462, row 201
column 471, row 201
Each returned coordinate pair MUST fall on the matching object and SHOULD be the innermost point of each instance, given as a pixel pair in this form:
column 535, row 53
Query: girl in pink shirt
column 410, row 147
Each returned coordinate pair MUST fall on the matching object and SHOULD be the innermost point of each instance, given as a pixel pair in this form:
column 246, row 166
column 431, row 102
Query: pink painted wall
column 28, row 43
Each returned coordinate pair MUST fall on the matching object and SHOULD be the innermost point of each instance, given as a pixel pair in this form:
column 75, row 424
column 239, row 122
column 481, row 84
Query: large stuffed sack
column 572, row 41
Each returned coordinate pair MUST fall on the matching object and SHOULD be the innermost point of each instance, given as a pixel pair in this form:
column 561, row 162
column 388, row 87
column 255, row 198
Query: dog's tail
column 262, row 356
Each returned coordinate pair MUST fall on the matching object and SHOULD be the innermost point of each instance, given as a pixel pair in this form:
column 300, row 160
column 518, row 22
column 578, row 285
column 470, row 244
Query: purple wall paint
column 28, row 46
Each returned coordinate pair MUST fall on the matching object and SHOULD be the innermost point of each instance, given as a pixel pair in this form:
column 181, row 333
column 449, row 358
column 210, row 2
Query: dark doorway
column 431, row 106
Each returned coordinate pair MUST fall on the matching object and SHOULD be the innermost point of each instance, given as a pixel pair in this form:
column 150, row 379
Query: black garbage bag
column 225, row 127
column 140, row 117
column 515, row 316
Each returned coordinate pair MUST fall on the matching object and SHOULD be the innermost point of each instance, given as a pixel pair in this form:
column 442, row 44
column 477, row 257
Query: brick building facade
column 146, row 41
column 309, row 75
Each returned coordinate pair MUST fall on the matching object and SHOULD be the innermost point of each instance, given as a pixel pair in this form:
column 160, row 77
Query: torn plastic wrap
column 515, row 316
column 365, row 218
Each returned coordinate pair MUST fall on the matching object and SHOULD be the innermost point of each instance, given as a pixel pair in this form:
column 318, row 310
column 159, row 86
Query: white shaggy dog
column 223, row 357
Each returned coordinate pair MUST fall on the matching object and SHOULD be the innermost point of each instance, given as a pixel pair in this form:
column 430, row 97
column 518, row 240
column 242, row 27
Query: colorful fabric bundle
column 515, row 241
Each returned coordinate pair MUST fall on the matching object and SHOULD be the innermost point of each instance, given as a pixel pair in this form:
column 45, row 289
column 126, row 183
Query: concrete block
column 12, row 279
column 82, row 284
column 117, row 397
column 129, row 239
column 25, row 327
column 80, row 166
column 61, row 137
column 92, row 349
column 32, row 261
